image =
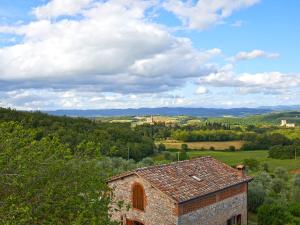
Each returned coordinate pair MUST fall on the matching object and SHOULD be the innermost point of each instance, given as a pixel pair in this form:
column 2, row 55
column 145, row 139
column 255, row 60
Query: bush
column 278, row 185
column 183, row 156
column 265, row 167
column 283, row 152
column 281, row 173
column 256, row 196
column 294, row 209
column 184, row 147
column 167, row 156
column 161, row 147
column 297, row 180
column 274, row 214
column 252, row 164
column 232, row 148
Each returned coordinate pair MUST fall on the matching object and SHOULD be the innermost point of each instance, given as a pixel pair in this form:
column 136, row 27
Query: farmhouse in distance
column 191, row 192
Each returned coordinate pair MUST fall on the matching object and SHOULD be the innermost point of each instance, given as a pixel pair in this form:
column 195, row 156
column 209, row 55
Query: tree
column 161, row 147
column 183, row 156
column 297, row 180
column 184, row 147
column 265, row 167
column 274, row 215
column 43, row 183
column 256, row 196
column 232, row 148
column 281, row 173
column 251, row 163
column 278, row 185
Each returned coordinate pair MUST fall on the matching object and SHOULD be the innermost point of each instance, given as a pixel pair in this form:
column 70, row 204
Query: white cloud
column 56, row 8
column 201, row 90
column 113, row 48
column 247, row 83
column 205, row 13
column 256, row 53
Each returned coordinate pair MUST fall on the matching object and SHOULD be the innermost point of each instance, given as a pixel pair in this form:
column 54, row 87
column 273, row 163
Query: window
column 235, row 220
column 138, row 197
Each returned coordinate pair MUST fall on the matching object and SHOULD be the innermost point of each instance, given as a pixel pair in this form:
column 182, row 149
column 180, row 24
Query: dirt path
column 296, row 171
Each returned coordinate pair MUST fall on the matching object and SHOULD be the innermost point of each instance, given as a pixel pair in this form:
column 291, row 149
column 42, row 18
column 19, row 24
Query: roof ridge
column 169, row 164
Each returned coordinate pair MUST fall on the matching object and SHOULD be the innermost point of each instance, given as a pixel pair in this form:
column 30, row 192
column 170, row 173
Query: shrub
column 184, row 147
column 167, row 155
column 281, row 173
column 232, row 148
column 294, row 209
column 256, row 196
column 297, row 180
column 161, row 147
column 252, row 164
column 274, row 214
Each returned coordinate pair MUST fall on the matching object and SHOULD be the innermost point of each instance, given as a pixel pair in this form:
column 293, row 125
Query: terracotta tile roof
column 189, row 179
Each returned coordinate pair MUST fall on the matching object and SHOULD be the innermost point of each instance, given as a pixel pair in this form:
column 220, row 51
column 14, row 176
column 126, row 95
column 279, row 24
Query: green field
column 233, row 158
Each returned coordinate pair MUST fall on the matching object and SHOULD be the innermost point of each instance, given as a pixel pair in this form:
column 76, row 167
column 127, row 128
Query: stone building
column 288, row 125
column 192, row 192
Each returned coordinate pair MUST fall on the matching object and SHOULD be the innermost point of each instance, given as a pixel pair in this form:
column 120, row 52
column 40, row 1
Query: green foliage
column 274, row 214
column 184, row 147
column 206, row 135
column 265, row 167
column 256, row 196
column 251, row 163
column 278, row 185
column 42, row 182
column 294, row 209
column 297, row 180
column 183, row 155
column 284, row 152
column 281, row 173
column 84, row 137
column 232, row 148
column 161, row 147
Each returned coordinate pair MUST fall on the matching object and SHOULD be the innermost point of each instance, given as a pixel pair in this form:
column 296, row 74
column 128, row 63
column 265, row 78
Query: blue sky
column 84, row 54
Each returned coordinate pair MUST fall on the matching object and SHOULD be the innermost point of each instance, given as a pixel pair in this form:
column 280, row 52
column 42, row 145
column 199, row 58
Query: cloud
column 51, row 99
column 257, row 53
column 205, row 13
column 201, row 90
column 56, row 8
column 247, row 83
column 112, row 48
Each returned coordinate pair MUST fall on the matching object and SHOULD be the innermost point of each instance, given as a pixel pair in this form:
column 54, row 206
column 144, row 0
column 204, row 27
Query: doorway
column 131, row 222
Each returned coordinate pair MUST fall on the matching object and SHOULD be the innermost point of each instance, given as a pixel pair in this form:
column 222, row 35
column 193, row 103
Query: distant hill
column 164, row 111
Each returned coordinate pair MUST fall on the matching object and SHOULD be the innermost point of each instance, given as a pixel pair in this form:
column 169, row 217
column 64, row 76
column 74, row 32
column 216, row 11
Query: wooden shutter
column 138, row 197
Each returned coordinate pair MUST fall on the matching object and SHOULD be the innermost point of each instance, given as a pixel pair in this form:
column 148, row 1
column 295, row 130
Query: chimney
column 241, row 170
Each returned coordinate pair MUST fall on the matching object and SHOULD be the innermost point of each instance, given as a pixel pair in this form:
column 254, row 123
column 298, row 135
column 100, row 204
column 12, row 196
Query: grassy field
column 233, row 158
column 221, row 145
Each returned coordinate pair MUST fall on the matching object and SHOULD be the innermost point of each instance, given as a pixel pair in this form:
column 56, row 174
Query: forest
column 54, row 169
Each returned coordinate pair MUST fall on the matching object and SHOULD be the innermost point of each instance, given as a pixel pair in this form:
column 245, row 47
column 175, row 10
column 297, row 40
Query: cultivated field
column 218, row 145
column 233, row 158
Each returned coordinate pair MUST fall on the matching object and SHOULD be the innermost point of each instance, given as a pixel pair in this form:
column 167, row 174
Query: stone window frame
column 134, row 185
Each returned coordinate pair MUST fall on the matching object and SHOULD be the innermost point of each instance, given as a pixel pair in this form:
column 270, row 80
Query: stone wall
column 213, row 209
column 159, row 209
column 218, row 213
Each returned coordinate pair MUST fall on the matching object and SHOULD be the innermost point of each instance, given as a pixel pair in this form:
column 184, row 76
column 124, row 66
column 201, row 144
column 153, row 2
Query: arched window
column 138, row 197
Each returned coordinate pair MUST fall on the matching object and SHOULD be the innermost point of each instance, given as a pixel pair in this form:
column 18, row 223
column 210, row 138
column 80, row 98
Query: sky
column 97, row 54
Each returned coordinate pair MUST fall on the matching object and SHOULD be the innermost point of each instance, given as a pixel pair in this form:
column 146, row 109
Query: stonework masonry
column 218, row 213
column 159, row 209
column 214, row 209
